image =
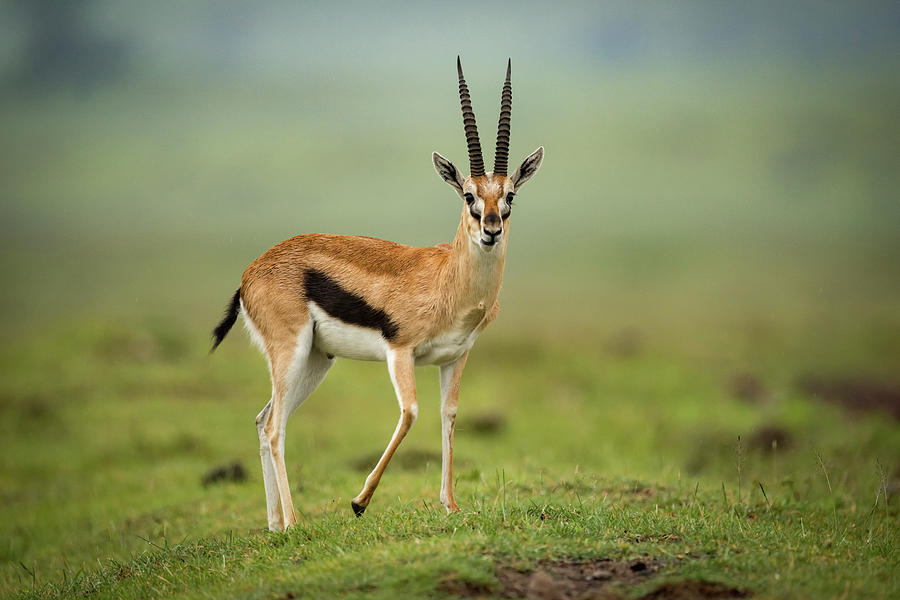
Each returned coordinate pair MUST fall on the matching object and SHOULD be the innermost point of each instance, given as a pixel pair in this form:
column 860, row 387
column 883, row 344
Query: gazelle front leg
column 401, row 366
column 450, row 376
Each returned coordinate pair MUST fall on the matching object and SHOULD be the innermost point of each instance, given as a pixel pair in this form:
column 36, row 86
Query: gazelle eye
column 469, row 198
column 509, row 198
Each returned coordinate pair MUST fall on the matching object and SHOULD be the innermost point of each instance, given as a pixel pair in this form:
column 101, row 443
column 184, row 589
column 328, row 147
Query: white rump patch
column 255, row 336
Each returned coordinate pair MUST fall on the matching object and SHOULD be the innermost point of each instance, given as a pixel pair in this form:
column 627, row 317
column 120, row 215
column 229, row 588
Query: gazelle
column 315, row 297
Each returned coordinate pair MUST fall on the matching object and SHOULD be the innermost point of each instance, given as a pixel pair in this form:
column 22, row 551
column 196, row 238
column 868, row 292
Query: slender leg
column 401, row 366
column 450, row 376
column 273, row 501
column 305, row 372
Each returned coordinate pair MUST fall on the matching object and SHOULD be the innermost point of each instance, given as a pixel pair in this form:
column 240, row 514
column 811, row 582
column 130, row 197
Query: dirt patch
column 234, row 472
column 558, row 580
column 32, row 405
column 691, row 590
column 405, row 459
column 747, row 387
column 483, row 424
column 770, row 437
column 454, row 585
column 856, row 394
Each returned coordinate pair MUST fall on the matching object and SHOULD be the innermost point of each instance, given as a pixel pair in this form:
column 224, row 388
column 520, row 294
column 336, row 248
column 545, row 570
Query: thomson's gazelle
column 315, row 297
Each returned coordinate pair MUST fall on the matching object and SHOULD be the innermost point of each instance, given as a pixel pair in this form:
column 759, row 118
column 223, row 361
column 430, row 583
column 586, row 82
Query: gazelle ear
column 447, row 171
column 528, row 167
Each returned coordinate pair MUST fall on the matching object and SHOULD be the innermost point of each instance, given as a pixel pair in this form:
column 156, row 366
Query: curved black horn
column 476, row 162
column 501, row 156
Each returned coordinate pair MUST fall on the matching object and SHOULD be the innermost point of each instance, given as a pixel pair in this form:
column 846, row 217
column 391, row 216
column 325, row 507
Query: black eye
column 509, row 198
column 469, row 198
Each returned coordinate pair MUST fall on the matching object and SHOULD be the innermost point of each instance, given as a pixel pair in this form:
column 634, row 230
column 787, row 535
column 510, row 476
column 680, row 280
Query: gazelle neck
column 476, row 273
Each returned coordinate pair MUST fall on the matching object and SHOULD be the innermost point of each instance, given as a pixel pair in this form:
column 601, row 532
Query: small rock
column 600, row 575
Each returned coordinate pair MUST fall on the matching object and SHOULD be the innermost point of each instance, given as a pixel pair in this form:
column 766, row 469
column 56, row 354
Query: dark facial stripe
column 346, row 306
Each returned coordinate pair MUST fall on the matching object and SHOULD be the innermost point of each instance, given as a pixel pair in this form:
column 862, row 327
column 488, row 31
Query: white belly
column 445, row 348
column 335, row 337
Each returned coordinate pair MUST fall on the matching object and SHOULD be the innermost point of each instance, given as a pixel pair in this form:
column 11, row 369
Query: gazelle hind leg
column 291, row 386
column 273, row 501
column 401, row 366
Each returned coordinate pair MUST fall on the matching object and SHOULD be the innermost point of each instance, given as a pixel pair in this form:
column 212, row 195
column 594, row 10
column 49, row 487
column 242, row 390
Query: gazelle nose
column 492, row 221
column 492, row 232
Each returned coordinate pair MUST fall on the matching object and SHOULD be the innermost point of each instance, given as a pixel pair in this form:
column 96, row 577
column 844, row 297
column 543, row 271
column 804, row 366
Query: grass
column 748, row 235
column 594, row 456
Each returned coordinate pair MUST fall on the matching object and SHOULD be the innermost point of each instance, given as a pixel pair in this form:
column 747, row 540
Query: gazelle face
column 488, row 198
column 488, row 205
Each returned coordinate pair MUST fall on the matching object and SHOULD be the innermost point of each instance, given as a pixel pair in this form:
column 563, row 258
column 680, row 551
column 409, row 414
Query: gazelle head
column 488, row 196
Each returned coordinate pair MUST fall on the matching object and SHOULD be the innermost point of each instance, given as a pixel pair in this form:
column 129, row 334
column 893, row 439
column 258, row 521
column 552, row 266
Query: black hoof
column 357, row 509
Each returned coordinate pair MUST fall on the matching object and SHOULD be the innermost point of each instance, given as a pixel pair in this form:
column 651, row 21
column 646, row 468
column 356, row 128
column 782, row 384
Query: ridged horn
column 501, row 156
column 476, row 162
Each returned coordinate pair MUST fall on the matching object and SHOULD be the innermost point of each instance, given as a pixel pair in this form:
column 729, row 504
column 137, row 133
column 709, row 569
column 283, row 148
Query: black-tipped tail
column 231, row 315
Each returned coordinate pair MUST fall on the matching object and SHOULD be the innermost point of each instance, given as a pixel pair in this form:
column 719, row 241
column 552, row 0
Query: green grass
column 623, row 457
column 715, row 231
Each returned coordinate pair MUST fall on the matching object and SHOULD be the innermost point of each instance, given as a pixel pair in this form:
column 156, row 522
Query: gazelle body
column 316, row 297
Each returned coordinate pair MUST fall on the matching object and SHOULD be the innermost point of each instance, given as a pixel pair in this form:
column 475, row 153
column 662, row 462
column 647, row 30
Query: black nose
column 492, row 225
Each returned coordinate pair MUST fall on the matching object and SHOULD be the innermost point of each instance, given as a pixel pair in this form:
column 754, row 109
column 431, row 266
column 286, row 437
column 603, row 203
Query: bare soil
column 771, row 436
column 600, row 579
column 855, row 394
column 747, row 387
column 691, row 589
column 234, row 472
column 489, row 423
column 556, row 579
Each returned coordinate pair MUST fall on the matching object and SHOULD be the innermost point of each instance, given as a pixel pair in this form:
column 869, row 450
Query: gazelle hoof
column 357, row 509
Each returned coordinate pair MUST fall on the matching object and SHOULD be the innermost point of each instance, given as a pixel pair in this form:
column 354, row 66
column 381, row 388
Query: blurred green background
column 734, row 166
column 716, row 220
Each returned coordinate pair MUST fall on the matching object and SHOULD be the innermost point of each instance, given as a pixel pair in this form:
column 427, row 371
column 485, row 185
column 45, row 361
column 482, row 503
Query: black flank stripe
column 346, row 306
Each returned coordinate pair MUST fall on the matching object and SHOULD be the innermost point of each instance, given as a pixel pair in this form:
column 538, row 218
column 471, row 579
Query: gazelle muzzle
column 491, row 229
